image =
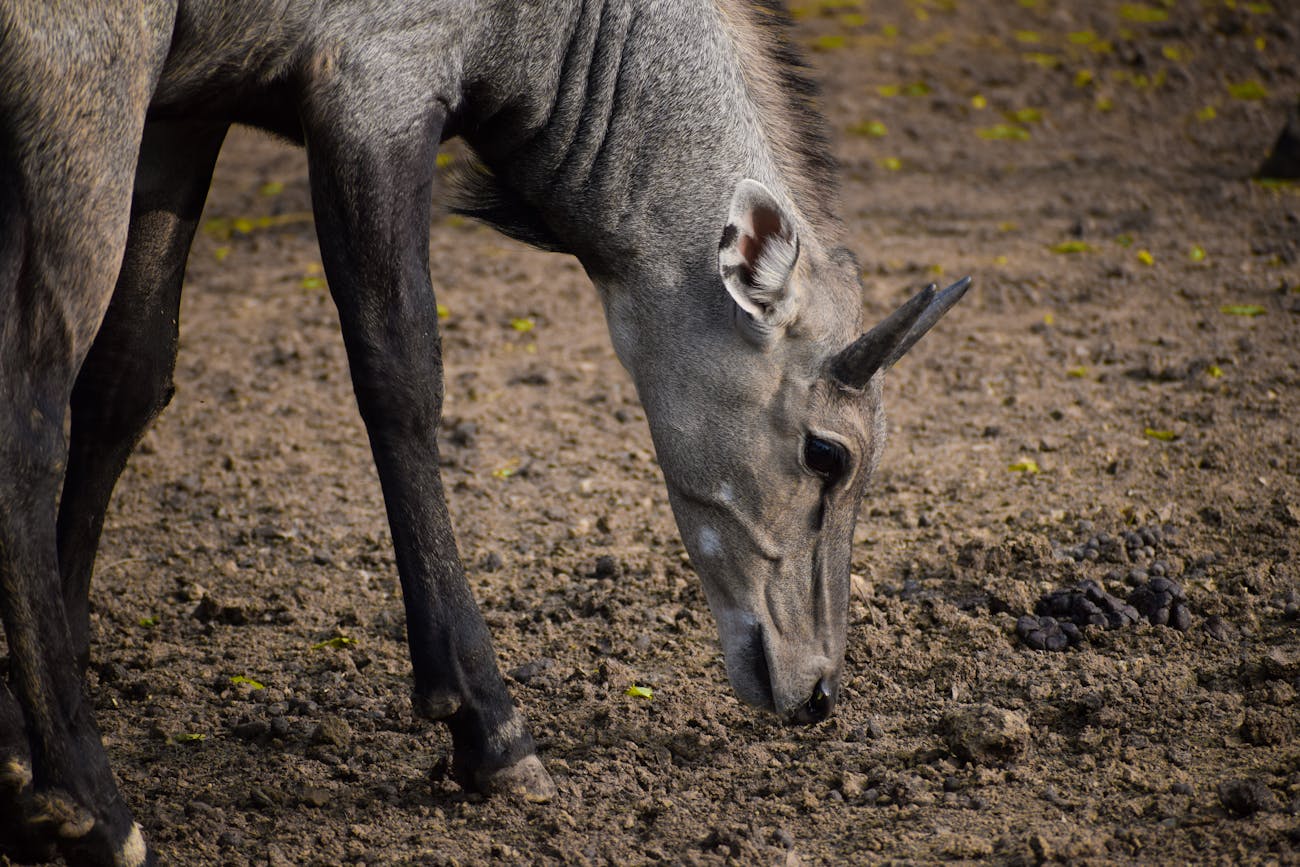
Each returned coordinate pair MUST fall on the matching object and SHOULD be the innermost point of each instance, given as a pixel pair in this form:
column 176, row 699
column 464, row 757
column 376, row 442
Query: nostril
column 818, row 706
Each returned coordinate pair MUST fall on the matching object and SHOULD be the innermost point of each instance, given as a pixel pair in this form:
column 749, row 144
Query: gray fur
column 631, row 133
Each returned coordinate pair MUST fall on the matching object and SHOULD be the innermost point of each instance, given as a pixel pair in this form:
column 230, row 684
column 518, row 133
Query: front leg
column 372, row 184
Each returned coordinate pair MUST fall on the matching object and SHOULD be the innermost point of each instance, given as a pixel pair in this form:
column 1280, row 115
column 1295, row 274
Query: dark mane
column 779, row 82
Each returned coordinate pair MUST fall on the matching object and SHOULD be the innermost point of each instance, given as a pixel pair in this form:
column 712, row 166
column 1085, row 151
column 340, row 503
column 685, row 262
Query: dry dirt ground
column 986, row 138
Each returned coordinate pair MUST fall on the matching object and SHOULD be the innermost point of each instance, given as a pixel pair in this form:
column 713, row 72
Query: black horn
column 883, row 345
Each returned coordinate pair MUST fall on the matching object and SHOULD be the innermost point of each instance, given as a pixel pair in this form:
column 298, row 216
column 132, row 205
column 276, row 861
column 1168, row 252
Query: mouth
column 760, row 670
column 758, row 691
column 816, row 709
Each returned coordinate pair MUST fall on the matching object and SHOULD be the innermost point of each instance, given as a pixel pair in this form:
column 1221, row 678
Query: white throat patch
column 710, row 542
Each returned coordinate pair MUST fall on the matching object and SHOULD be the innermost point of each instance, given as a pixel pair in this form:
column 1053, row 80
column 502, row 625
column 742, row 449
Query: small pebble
column 529, row 670
column 852, row 785
column 315, row 796
column 984, row 734
column 251, row 730
column 1221, row 630
column 333, row 731
column 1242, row 798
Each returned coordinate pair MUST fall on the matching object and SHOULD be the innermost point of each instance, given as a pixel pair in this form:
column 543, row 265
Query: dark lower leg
column 456, row 674
column 372, row 200
column 67, row 759
column 126, row 379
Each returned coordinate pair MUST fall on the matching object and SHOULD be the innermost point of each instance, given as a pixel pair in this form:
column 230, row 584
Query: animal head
column 768, row 428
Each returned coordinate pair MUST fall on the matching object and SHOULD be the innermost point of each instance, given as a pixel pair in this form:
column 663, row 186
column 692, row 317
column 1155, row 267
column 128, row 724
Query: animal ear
column 880, row 347
column 757, row 253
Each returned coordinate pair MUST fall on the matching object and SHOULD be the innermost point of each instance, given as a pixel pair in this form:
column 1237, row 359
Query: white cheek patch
column 710, row 542
column 726, row 494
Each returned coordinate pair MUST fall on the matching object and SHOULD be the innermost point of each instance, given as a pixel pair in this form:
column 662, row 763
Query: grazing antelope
column 669, row 144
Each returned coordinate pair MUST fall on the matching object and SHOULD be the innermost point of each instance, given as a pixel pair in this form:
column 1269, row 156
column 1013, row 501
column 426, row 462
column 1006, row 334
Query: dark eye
column 825, row 458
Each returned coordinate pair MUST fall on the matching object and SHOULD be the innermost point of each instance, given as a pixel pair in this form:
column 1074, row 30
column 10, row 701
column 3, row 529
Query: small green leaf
column 1003, row 132
column 1077, row 372
column 1140, row 13
column 243, row 225
column 1274, row 183
column 189, row 738
column 148, row 622
column 1145, row 257
column 312, row 282
column 1206, row 114
column 1214, row 371
column 1197, row 253
column 522, row 324
column 640, row 692
column 271, row 188
column 1083, row 37
column 1026, row 115
column 1124, row 240
column 220, row 253
column 1165, row 436
column 1047, row 61
column 218, row 227
column 892, row 164
column 444, row 312
column 1251, row 90
column 252, row 684
column 1028, row 465
column 337, row 643
column 1029, row 37
column 1070, row 247
column 1243, row 310
column 872, row 128
column 830, row 42
column 916, row 88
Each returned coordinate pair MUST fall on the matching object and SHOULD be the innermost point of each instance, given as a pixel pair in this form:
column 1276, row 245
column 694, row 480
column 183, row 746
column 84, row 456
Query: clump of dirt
column 984, row 734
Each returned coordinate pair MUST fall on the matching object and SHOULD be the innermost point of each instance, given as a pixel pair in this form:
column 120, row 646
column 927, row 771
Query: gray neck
column 627, row 134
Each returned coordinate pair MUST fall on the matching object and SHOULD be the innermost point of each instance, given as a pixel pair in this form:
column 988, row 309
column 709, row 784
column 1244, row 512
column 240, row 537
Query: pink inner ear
column 766, row 222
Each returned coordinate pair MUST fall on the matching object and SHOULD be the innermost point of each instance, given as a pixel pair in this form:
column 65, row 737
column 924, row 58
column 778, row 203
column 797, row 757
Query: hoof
column 20, row 839
column 526, row 779
column 36, row 826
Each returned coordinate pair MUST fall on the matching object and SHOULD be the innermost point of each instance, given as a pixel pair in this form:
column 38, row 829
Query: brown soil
column 1143, row 744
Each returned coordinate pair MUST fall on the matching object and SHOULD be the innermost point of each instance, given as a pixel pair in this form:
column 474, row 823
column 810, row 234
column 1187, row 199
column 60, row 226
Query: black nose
column 818, row 706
